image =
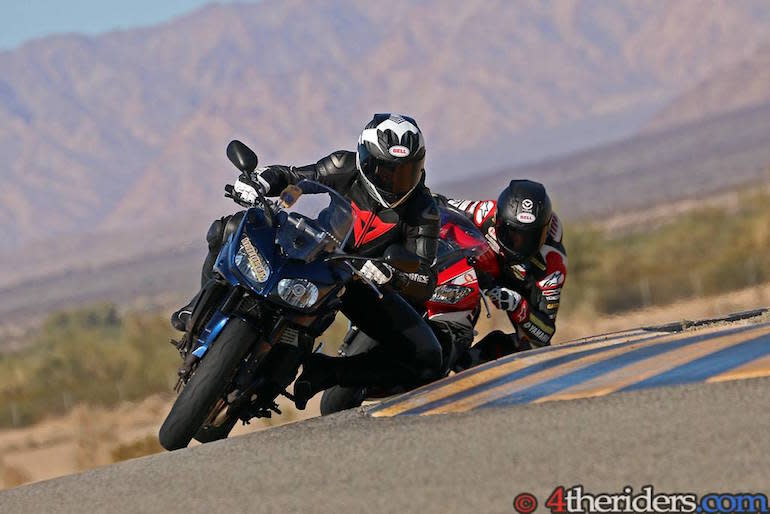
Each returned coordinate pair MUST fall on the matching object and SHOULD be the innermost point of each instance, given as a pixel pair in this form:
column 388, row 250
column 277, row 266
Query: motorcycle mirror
column 402, row 259
column 242, row 156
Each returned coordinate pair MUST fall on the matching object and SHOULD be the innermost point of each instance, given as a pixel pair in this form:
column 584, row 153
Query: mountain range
column 687, row 161
column 738, row 86
column 126, row 131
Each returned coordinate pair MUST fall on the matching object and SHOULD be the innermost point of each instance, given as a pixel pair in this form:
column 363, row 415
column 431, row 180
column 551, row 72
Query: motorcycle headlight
column 298, row 292
column 450, row 293
column 251, row 263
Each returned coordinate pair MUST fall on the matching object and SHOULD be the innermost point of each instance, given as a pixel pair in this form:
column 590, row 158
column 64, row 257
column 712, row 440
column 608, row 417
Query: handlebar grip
column 485, row 280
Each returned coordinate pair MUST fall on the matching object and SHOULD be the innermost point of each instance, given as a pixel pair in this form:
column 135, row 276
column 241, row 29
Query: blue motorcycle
column 278, row 285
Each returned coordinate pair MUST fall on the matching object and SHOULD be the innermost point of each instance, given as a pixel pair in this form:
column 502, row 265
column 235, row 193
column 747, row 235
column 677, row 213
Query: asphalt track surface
column 704, row 437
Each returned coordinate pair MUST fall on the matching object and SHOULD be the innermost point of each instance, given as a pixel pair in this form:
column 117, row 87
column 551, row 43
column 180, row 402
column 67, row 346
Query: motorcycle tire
column 211, row 433
column 206, row 385
column 338, row 398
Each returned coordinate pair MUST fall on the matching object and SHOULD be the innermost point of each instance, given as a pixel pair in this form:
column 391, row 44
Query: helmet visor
column 396, row 178
column 520, row 244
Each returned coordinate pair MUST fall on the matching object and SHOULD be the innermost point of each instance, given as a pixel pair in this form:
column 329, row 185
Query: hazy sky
column 21, row 20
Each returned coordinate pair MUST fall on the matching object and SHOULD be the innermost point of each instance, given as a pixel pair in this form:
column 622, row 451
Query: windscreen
column 314, row 219
column 458, row 232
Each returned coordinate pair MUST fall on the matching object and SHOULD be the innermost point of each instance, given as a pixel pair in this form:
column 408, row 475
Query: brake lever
column 230, row 193
column 484, row 301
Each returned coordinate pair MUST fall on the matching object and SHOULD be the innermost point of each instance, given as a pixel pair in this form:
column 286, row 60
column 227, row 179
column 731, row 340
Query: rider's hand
column 378, row 272
column 244, row 192
column 504, row 298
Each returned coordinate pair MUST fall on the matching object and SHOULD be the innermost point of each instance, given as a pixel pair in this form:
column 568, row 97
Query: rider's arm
column 480, row 213
column 535, row 318
column 336, row 170
column 421, row 238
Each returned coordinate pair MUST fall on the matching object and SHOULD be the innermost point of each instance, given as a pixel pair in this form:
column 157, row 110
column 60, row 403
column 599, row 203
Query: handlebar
column 345, row 258
column 485, row 280
column 365, row 280
column 230, row 193
column 267, row 204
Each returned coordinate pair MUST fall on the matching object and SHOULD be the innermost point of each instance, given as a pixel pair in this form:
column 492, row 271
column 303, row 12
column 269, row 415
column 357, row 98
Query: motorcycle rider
column 384, row 180
column 525, row 269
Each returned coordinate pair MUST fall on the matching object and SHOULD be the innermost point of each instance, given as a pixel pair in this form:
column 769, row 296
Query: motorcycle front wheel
column 211, row 433
column 207, row 385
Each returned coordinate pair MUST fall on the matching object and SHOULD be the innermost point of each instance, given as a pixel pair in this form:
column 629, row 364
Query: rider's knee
column 215, row 234
column 232, row 223
column 429, row 359
column 221, row 229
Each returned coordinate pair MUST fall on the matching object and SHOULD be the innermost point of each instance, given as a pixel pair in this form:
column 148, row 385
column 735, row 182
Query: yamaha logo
column 399, row 151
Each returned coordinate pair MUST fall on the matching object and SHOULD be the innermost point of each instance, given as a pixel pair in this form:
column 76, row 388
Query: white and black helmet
column 391, row 157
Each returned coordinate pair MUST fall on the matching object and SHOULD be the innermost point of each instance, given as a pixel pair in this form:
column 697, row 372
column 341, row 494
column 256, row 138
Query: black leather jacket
column 413, row 224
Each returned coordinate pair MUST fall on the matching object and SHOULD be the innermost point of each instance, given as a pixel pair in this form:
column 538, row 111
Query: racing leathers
column 411, row 354
column 529, row 293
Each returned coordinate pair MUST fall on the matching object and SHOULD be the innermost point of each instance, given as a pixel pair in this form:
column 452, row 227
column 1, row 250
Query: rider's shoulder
column 421, row 203
column 555, row 232
column 338, row 162
column 552, row 256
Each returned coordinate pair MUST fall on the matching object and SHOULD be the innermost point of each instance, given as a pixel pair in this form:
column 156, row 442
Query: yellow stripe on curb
column 481, row 377
column 657, row 364
column 489, row 395
column 754, row 369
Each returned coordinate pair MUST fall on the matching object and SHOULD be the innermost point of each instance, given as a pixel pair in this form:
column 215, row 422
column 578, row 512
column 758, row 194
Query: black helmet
column 390, row 157
column 523, row 219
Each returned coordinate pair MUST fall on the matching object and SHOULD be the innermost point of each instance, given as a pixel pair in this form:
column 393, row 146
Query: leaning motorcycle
column 278, row 285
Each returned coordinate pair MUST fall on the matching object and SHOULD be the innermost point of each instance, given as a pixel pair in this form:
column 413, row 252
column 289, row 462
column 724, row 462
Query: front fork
column 268, row 373
column 273, row 363
column 214, row 305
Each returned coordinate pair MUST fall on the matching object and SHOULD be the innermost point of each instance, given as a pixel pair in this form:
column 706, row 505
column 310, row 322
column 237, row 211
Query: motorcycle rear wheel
column 206, row 385
column 338, row 398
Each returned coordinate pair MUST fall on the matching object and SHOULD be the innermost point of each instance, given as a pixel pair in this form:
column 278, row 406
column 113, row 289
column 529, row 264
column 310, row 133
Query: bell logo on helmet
column 399, row 151
column 525, row 217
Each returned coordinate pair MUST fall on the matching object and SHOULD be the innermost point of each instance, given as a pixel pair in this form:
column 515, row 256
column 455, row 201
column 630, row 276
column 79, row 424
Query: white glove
column 504, row 298
column 379, row 273
column 246, row 187
column 246, row 193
